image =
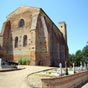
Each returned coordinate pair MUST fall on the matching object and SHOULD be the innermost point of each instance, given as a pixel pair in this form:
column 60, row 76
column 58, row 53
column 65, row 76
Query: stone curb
column 34, row 73
column 11, row 69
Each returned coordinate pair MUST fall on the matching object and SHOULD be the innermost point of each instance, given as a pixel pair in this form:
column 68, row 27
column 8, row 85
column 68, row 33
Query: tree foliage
column 79, row 56
column 71, row 59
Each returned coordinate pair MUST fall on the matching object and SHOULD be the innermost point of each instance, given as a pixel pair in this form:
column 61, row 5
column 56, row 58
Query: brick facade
column 44, row 43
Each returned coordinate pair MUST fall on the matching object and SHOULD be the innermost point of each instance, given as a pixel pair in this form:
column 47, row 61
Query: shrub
column 20, row 61
column 24, row 61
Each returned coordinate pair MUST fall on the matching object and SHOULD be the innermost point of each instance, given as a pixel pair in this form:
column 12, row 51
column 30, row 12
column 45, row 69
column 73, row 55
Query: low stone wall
column 69, row 81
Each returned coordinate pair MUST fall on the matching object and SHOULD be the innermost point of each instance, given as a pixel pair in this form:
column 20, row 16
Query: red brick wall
column 69, row 81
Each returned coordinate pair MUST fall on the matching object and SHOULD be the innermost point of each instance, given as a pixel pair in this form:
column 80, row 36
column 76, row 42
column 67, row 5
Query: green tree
column 78, row 57
column 85, row 53
column 71, row 59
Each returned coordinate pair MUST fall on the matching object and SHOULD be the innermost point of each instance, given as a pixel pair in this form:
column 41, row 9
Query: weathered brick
column 46, row 44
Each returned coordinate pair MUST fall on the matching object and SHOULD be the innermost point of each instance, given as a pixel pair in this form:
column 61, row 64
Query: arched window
column 21, row 23
column 25, row 40
column 16, row 42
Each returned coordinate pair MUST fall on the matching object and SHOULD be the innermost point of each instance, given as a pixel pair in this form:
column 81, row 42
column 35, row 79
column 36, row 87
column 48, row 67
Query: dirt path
column 17, row 79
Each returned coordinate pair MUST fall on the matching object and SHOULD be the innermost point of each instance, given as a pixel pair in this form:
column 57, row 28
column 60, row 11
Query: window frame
column 24, row 40
column 21, row 23
column 16, row 42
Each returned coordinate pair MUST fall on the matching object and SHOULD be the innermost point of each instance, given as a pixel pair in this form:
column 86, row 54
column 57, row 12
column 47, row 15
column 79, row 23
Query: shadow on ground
column 84, row 83
column 11, row 69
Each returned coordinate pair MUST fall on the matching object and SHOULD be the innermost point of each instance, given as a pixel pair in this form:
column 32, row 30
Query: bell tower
column 62, row 27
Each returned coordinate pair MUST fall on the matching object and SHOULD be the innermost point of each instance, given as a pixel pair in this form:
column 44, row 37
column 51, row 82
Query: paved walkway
column 17, row 79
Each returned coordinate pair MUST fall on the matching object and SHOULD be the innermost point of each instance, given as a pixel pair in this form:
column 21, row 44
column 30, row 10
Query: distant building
column 29, row 33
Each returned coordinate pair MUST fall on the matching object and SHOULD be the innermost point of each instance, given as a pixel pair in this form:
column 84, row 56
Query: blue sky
column 73, row 12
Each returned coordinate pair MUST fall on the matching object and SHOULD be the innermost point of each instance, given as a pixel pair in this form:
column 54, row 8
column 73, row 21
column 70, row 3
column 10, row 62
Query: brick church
column 29, row 33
